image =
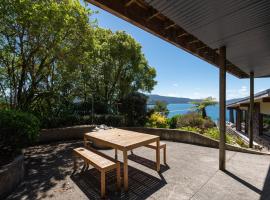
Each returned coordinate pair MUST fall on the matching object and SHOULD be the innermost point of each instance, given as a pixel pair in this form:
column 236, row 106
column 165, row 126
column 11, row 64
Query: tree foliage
column 135, row 107
column 35, row 37
column 161, row 107
column 201, row 106
column 52, row 54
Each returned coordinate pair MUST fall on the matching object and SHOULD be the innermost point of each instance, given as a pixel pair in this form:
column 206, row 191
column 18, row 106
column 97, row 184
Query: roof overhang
column 201, row 27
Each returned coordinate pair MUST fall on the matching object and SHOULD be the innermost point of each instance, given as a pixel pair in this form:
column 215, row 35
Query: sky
column 179, row 73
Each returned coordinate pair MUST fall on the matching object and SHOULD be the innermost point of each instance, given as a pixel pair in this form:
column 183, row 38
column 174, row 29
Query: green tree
column 134, row 107
column 35, row 37
column 52, row 55
column 161, row 107
column 200, row 107
column 117, row 68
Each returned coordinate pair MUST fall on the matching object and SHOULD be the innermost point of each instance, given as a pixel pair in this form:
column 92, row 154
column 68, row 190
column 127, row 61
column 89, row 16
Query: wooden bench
column 101, row 162
column 153, row 145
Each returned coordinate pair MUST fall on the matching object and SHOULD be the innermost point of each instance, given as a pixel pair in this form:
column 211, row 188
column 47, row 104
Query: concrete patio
column 192, row 174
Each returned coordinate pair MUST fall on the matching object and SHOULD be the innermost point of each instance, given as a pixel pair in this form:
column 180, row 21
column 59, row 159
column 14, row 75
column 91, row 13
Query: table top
column 121, row 139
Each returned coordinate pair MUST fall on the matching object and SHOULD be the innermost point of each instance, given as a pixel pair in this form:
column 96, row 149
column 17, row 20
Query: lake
column 212, row 111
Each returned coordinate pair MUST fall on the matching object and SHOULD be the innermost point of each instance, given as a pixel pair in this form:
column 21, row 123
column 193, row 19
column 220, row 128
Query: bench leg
column 158, row 155
column 118, row 177
column 75, row 164
column 164, row 155
column 131, row 151
column 103, row 184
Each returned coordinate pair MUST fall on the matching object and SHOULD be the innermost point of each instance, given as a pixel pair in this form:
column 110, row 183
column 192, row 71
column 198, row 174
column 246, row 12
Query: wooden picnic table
column 124, row 141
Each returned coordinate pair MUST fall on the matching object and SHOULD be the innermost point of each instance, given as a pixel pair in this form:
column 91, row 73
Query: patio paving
column 192, row 173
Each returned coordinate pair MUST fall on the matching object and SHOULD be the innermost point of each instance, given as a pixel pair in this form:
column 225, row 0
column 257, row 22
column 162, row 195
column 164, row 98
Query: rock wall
column 11, row 175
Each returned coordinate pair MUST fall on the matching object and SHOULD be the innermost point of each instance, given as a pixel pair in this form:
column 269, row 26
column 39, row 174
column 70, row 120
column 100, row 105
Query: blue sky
column 179, row 73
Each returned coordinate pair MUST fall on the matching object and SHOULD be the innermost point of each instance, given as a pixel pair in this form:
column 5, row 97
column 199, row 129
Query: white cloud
column 237, row 93
column 175, row 85
column 196, row 94
column 172, row 95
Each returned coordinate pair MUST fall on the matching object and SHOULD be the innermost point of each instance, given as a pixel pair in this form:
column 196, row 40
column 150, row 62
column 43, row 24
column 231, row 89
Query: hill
column 169, row 100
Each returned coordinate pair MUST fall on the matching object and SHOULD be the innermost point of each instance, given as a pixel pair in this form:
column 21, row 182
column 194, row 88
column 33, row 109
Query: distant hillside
column 169, row 100
column 174, row 100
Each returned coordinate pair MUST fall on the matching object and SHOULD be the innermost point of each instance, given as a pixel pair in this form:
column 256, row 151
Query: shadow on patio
column 46, row 166
column 191, row 174
column 141, row 184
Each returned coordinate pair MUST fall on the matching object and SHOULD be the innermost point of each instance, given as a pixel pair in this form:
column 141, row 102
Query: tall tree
column 201, row 106
column 35, row 36
column 161, row 108
column 118, row 67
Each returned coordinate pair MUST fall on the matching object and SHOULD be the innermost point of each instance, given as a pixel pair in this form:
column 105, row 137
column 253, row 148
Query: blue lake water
column 212, row 111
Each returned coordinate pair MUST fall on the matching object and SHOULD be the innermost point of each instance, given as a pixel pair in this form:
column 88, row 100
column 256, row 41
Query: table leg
column 158, row 155
column 103, row 184
column 125, row 170
column 84, row 141
column 115, row 154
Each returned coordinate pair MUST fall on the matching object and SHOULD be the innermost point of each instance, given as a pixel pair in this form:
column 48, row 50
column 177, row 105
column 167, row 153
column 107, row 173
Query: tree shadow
column 147, row 163
column 45, row 165
column 141, row 184
column 48, row 167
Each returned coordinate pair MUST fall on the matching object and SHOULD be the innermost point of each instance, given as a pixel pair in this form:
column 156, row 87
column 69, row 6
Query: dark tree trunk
column 204, row 113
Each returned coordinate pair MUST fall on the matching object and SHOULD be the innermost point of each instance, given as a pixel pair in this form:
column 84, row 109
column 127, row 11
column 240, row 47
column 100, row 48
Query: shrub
column 208, row 123
column 110, row 120
column 193, row 119
column 215, row 134
column 134, row 107
column 192, row 129
column 17, row 130
column 157, row 120
column 74, row 119
column 173, row 121
column 161, row 107
column 240, row 142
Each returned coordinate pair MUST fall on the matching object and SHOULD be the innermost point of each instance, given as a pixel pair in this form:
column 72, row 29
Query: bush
column 208, row 123
column 173, row 121
column 157, row 120
column 215, row 134
column 110, row 120
column 192, row 129
column 193, row 119
column 17, row 130
column 74, row 119
column 134, row 107
column 161, row 107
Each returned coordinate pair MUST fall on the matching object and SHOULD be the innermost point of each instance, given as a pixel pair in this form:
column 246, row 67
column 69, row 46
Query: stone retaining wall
column 189, row 137
column 11, row 175
column 62, row 134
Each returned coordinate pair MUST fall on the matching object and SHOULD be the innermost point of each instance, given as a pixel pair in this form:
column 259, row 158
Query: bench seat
column 99, row 161
column 153, row 145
